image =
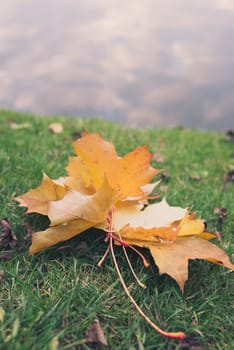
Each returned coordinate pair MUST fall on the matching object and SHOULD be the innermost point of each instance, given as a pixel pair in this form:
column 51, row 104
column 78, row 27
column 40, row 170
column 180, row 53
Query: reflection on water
column 142, row 62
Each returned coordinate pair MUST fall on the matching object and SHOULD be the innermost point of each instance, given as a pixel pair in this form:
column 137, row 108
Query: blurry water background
column 139, row 62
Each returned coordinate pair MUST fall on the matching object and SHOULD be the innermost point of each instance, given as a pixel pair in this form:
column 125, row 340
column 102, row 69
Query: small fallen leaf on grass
column 189, row 344
column 230, row 135
column 112, row 193
column 229, row 176
column 6, row 255
column 222, row 214
column 165, row 177
column 56, row 128
column 95, row 334
column 158, row 157
column 218, row 235
column 8, row 239
column 195, row 177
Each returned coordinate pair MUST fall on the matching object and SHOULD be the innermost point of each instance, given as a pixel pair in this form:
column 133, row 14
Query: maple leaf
column 171, row 234
column 74, row 214
column 100, row 180
column 109, row 192
column 37, row 200
column 98, row 159
column 96, row 181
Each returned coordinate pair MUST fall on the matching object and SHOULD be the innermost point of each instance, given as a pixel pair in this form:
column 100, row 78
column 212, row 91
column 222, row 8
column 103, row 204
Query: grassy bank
column 51, row 298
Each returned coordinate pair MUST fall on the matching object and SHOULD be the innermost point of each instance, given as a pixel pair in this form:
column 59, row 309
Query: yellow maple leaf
column 172, row 258
column 171, row 234
column 97, row 179
column 74, row 214
column 111, row 193
column 38, row 200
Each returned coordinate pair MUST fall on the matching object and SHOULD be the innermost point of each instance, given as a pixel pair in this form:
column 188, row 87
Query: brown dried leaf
column 95, row 334
column 165, row 176
column 56, row 128
column 8, row 239
column 195, row 177
column 218, row 235
column 222, row 214
column 230, row 135
column 6, row 254
column 229, row 176
column 189, row 344
column 158, row 157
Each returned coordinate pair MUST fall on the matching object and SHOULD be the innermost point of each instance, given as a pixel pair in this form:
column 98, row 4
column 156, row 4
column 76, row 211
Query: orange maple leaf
column 109, row 192
column 171, row 234
column 97, row 179
column 98, row 159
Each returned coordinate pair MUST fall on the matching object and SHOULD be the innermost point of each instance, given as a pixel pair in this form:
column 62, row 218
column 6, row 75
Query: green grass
column 59, row 293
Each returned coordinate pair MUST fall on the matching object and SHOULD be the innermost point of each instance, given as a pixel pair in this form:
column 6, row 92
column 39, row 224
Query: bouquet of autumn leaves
column 111, row 193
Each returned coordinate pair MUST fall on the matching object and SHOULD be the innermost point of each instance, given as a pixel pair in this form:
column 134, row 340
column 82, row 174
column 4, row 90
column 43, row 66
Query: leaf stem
column 175, row 335
column 145, row 262
column 142, row 285
column 99, row 264
column 122, row 243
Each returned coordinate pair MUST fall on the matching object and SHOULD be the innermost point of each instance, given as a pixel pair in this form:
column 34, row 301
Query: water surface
column 139, row 62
